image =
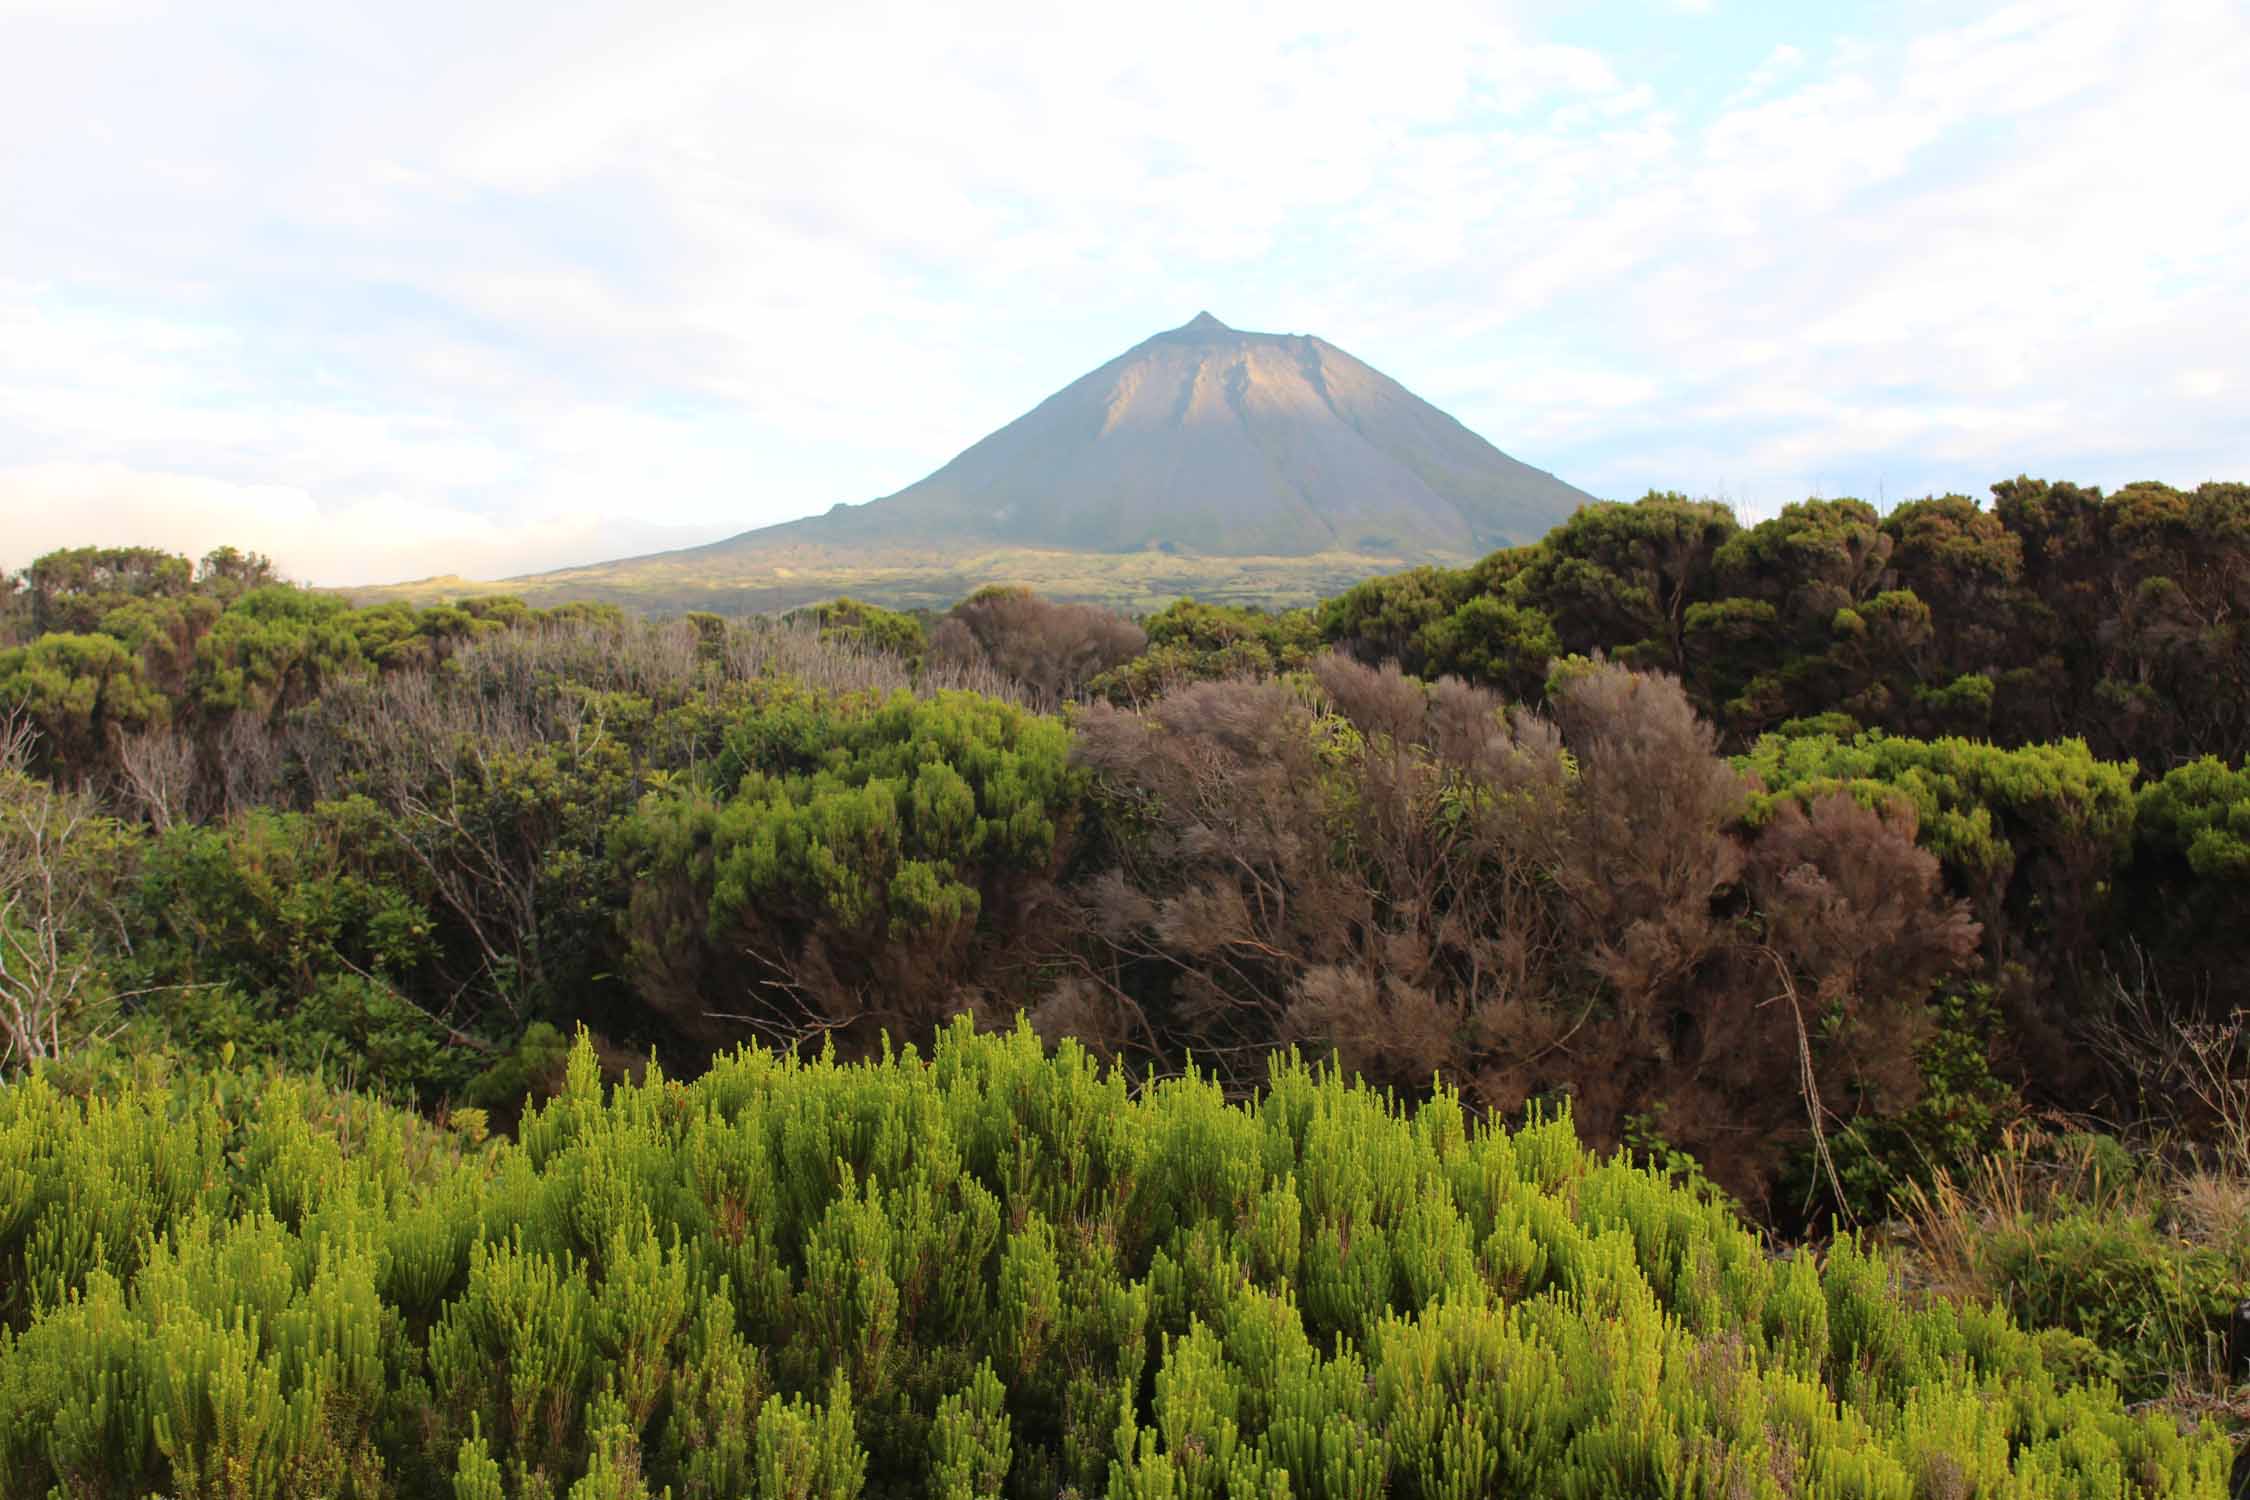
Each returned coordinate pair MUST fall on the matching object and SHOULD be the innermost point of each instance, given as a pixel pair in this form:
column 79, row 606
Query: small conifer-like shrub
column 994, row 1271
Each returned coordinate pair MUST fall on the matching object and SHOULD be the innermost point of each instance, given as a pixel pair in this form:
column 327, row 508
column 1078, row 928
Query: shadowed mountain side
column 1217, row 441
column 1252, row 467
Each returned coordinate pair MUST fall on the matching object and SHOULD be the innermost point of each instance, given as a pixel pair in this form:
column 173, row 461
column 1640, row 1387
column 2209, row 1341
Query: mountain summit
column 1210, row 440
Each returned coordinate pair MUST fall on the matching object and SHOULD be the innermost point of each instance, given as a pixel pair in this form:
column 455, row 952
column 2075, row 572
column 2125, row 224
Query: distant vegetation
column 926, row 574
column 1851, row 872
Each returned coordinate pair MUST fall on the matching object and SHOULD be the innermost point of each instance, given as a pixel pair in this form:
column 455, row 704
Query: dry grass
column 2141, row 1261
column 2212, row 1208
column 1944, row 1227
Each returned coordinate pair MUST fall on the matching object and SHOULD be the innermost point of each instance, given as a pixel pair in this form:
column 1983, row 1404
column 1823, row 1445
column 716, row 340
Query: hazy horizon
column 396, row 291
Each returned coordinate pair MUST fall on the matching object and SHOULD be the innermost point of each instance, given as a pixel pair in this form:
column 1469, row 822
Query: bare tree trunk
column 48, row 982
column 156, row 774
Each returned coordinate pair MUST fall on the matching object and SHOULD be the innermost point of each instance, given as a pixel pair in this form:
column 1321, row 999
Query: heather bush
column 995, row 1271
column 848, row 864
column 1050, row 650
column 1428, row 883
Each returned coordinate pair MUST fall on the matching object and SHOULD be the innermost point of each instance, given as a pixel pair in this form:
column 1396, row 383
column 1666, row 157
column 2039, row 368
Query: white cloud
column 374, row 539
column 723, row 265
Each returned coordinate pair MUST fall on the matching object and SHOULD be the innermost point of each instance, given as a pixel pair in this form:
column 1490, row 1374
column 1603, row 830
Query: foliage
column 1961, row 1113
column 994, row 1272
column 274, row 901
column 1052, row 651
column 2138, row 1264
column 2055, row 611
column 881, row 860
column 82, row 693
column 71, row 591
column 1428, row 883
column 61, row 865
column 2035, row 838
column 1193, row 642
column 2200, row 812
column 419, row 843
column 2052, row 815
column 870, row 627
column 2185, row 900
column 1383, row 619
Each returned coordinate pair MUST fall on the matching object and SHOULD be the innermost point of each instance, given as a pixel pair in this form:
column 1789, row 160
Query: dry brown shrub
column 1426, row 882
column 1050, row 650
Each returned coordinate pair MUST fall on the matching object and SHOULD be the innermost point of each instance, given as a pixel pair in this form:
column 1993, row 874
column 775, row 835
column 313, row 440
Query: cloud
column 717, row 266
column 1983, row 251
column 374, row 539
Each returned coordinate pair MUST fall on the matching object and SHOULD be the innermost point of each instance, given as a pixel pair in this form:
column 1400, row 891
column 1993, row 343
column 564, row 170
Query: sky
column 413, row 287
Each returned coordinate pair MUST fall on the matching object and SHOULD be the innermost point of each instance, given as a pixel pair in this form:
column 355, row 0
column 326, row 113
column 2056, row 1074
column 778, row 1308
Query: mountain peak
column 1201, row 326
column 1221, row 442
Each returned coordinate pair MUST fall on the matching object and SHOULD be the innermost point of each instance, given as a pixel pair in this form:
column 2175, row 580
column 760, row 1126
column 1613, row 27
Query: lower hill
column 782, row 576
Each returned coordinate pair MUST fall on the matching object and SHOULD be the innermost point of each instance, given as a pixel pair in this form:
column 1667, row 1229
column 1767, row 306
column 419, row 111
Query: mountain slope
column 1217, row 441
column 1252, row 467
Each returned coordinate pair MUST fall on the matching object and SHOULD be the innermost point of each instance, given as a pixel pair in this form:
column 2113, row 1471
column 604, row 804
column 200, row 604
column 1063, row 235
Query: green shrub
column 991, row 1272
column 2130, row 1266
column 870, row 627
column 1960, row 1114
column 276, row 902
column 870, row 858
column 2035, row 838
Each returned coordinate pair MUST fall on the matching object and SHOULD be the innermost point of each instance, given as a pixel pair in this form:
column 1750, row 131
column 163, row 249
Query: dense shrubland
column 411, row 839
column 997, row 1272
column 2055, row 612
column 1530, row 906
column 1842, row 868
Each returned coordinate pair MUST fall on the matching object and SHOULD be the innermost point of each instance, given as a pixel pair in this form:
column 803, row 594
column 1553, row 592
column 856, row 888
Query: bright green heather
column 993, row 1272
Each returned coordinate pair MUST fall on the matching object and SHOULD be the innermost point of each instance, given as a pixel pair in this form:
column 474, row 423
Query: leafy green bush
column 1960, row 1114
column 2132, row 1265
column 2188, row 890
column 62, row 865
column 275, row 901
column 991, row 1272
column 2046, row 822
column 1194, row 642
column 2035, row 838
column 2201, row 812
column 283, row 934
column 81, row 692
column 870, row 627
column 357, row 1029
column 870, row 856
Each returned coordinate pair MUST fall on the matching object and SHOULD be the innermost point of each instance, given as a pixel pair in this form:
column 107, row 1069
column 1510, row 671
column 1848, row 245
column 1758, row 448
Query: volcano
column 1211, row 440
column 1258, row 468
